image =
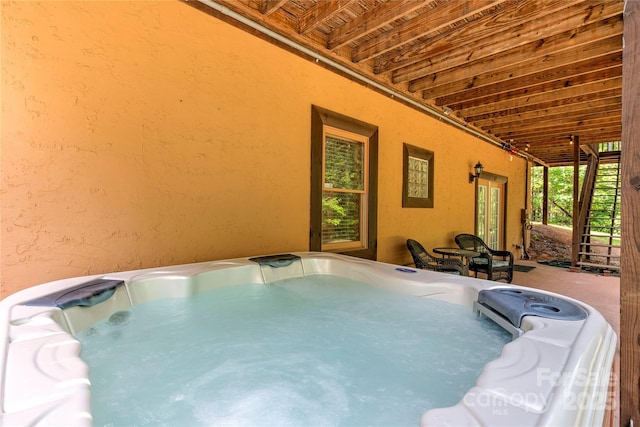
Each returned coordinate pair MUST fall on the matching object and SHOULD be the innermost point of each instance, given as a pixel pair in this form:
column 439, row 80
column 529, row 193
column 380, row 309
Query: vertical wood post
column 545, row 195
column 575, row 241
column 630, row 244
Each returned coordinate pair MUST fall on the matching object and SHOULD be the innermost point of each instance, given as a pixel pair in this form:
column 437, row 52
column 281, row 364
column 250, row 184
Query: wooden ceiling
column 528, row 74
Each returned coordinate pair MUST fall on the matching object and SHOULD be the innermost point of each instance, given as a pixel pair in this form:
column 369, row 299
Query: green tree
column 560, row 193
column 561, row 197
column 344, row 169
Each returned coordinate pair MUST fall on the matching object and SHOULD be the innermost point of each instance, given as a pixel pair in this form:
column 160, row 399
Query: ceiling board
column 528, row 73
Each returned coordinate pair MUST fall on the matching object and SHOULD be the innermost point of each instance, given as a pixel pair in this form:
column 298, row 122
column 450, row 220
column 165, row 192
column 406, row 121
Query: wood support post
column 545, row 195
column 629, row 284
column 575, row 219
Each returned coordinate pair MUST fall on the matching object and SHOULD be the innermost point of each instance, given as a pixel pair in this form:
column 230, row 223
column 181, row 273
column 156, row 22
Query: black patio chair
column 497, row 265
column 426, row 261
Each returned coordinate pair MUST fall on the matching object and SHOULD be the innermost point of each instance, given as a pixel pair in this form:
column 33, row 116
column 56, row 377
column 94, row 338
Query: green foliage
column 561, row 197
column 332, row 212
column 344, row 166
column 341, row 217
column 344, row 169
column 560, row 193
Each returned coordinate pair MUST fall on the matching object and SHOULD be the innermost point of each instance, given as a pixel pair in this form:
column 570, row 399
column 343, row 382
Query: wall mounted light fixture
column 478, row 170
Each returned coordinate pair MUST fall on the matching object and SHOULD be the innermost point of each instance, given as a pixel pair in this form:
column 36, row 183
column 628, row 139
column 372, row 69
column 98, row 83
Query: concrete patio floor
column 600, row 292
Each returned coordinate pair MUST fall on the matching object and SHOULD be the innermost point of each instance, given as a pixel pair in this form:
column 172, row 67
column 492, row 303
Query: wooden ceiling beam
column 560, row 139
column 438, row 18
column 371, row 21
column 520, row 88
column 612, row 121
column 565, row 102
column 531, row 71
column 509, row 15
column 568, row 129
column 558, row 145
column 543, row 92
column 614, row 116
column 566, row 96
column 562, row 134
column 579, row 103
column 554, row 65
column 556, row 150
column 521, row 61
column 573, row 110
column 554, row 120
column 584, row 26
column 269, row 6
column 564, row 158
column 322, row 11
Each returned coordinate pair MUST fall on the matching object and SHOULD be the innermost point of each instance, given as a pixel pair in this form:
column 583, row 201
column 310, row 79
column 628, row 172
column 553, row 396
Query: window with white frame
column 344, row 196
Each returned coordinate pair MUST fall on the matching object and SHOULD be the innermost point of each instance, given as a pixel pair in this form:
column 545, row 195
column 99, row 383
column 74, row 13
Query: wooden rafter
column 555, row 121
column 540, row 51
column 438, row 18
column 510, row 35
column 270, row 6
column 527, row 86
column 566, row 96
column 534, row 71
column 597, row 125
column 319, row 13
column 371, row 21
column 531, row 71
column 569, row 111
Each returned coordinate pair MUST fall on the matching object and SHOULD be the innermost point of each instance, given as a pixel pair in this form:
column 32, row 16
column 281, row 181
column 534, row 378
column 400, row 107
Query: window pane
column 344, row 164
column 340, row 217
column 418, row 178
column 482, row 212
column 494, row 225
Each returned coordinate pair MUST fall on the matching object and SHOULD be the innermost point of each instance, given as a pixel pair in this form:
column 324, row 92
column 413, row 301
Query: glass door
column 489, row 212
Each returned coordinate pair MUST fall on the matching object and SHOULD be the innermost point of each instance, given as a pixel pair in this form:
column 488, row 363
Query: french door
column 490, row 212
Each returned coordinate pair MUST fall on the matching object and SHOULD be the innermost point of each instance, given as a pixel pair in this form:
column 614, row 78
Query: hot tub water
column 318, row 350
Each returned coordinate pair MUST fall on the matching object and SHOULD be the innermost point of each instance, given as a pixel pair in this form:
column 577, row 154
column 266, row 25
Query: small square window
column 417, row 183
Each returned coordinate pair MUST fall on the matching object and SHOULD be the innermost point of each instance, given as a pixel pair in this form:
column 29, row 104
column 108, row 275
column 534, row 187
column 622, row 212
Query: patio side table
column 463, row 254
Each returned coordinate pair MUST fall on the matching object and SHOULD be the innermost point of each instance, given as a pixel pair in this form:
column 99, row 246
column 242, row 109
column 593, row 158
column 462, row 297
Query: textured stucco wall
column 138, row 134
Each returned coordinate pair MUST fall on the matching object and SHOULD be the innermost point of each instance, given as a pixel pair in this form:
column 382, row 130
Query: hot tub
column 555, row 371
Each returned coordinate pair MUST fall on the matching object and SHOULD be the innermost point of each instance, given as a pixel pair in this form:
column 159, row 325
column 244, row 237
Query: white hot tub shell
column 556, row 373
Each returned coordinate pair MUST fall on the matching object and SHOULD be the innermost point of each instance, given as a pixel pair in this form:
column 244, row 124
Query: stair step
column 605, row 267
column 595, row 255
column 601, row 217
column 599, row 245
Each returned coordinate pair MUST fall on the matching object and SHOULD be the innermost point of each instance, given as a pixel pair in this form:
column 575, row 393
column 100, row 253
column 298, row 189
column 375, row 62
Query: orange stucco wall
column 138, row 134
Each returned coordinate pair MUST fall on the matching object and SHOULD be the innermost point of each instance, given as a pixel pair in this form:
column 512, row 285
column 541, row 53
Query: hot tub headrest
column 85, row 294
column 276, row 261
column 514, row 304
